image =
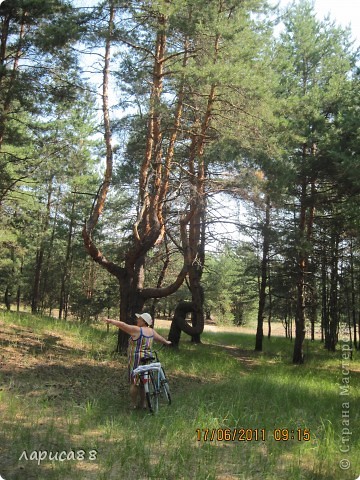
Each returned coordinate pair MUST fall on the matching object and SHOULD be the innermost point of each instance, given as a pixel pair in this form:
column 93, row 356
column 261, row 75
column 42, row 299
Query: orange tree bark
column 194, row 129
column 197, row 176
column 148, row 229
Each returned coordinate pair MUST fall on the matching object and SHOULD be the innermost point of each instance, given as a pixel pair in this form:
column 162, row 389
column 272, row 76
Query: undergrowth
column 236, row 413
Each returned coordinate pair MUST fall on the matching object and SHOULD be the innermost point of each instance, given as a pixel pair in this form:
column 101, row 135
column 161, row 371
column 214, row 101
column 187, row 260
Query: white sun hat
column 146, row 317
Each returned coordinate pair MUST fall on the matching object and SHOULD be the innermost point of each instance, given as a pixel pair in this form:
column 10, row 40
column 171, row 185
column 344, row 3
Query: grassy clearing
column 65, row 395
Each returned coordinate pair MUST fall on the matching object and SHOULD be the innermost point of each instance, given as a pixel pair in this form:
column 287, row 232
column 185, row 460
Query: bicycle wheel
column 164, row 386
column 152, row 393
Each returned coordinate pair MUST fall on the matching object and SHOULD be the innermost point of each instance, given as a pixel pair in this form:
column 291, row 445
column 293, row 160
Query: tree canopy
column 129, row 129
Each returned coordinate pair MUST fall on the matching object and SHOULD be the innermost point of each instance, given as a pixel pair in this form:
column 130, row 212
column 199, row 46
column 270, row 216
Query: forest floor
column 277, row 328
column 64, row 395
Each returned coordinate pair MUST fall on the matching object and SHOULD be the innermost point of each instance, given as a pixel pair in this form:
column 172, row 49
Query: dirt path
column 276, row 329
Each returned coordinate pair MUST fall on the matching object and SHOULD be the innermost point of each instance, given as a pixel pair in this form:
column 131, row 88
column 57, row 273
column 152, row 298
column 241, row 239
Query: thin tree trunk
column 298, row 356
column 305, row 232
column 7, row 296
column 353, row 295
column 263, row 281
column 270, row 301
column 47, row 259
column 36, row 295
column 63, row 303
column 18, row 292
column 17, row 56
column 161, row 277
column 331, row 340
column 324, row 296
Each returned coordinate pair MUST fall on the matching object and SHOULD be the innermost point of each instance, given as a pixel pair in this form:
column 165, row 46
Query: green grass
column 64, row 391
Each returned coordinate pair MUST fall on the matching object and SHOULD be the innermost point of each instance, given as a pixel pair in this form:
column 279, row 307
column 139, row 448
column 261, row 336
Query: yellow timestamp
column 252, row 434
column 285, row 434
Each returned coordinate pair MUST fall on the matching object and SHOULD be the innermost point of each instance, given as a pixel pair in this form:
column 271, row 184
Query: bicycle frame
column 152, row 376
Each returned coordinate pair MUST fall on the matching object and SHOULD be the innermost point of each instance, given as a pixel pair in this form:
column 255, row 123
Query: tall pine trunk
column 39, row 261
column 263, row 278
column 300, row 330
column 332, row 331
column 353, row 295
column 305, row 238
column 10, row 87
column 64, row 290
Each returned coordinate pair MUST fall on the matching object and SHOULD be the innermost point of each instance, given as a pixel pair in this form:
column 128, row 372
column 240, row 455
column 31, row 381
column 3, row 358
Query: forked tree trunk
column 155, row 171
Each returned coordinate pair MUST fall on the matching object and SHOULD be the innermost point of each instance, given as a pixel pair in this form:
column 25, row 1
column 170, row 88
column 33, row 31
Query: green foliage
column 314, row 59
column 285, row 111
column 97, row 293
column 230, row 285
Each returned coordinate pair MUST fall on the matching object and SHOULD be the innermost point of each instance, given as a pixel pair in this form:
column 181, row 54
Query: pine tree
column 315, row 61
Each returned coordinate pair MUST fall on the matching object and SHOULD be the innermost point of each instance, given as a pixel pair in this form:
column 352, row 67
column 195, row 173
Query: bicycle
column 156, row 386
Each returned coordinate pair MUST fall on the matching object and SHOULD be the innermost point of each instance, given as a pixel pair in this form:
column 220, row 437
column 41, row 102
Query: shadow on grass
column 29, row 344
column 71, row 402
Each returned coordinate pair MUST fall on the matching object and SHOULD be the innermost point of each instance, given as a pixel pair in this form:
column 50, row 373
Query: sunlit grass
column 72, row 395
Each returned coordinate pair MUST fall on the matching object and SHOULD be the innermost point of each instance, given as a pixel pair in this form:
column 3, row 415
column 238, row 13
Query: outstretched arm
column 130, row 329
column 160, row 339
